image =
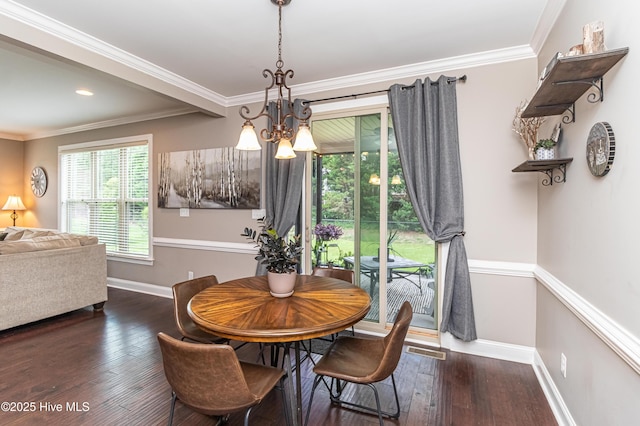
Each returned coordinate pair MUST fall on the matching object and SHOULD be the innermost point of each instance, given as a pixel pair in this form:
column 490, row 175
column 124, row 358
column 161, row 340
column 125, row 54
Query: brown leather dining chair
column 182, row 293
column 363, row 361
column 338, row 273
column 211, row 380
column 333, row 272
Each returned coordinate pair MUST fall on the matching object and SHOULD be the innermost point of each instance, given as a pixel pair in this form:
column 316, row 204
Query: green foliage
column 280, row 255
column 545, row 143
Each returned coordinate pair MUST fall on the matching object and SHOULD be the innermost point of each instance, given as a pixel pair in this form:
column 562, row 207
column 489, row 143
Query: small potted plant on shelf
column 545, row 149
column 281, row 256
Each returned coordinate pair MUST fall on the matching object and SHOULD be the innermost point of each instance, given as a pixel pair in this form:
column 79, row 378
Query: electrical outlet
column 190, row 275
column 184, row 212
column 563, row 365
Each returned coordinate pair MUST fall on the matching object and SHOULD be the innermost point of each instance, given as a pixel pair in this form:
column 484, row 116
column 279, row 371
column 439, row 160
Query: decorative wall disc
column 38, row 181
column 601, row 148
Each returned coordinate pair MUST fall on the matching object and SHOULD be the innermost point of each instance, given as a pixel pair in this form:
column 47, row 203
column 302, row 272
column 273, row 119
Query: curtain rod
column 462, row 78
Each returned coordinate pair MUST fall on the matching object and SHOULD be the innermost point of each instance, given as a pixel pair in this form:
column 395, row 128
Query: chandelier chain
column 279, row 63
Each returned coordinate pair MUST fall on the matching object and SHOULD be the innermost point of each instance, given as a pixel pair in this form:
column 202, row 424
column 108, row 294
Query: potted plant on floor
column 281, row 256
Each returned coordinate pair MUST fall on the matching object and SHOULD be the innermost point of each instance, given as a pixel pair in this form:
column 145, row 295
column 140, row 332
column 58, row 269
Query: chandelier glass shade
column 280, row 114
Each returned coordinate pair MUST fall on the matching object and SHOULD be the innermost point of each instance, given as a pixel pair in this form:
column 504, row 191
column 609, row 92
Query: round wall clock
column 601, row 148
column 38, row 181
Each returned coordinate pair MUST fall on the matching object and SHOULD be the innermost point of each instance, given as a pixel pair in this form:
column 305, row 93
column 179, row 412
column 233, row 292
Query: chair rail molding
column 492, row 267
column 626, row 345
column 224, row 246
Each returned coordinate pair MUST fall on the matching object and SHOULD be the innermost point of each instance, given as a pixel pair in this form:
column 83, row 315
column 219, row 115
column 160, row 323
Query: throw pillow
column 14, row 236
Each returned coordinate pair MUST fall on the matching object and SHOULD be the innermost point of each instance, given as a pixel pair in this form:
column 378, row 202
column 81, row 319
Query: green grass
column 410, row 245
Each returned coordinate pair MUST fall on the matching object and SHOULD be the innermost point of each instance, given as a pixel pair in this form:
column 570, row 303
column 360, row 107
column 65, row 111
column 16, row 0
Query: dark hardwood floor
column 87, row 368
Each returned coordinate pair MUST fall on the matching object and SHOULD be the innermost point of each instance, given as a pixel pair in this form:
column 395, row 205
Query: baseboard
column 559, row 408
column 138, row 287
column 489, row 349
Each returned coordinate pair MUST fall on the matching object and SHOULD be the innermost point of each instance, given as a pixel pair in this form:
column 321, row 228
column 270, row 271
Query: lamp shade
column 248, row 140
column 285, row 151
column 14, row 203
column 396, row 180
column 374, row 179
column 304, row 140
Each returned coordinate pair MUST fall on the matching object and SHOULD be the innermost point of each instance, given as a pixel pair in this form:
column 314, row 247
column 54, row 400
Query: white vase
column 545, row 154
column 281, row 285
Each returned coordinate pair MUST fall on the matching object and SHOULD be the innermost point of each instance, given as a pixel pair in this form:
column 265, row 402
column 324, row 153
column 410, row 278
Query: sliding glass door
column 359, row 216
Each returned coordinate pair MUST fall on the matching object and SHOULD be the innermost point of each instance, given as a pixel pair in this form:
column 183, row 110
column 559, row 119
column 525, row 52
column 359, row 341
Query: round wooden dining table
column 244, row 310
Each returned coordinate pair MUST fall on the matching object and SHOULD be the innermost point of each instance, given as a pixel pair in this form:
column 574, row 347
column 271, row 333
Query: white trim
column 29, row 26
column 419, row 70
column 621, row 341
column 224, row 246
column 137, row 261
column 138, row 287
column 489, row 348
column 554, row 397
column 140, row 140
column 512, row 269
column 110, row 123
column 12, row 137
column 148, row 138
column 367, row 102
column 547, row 21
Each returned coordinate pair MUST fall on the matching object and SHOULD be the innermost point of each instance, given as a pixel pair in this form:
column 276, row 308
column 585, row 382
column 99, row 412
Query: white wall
column 587, row 235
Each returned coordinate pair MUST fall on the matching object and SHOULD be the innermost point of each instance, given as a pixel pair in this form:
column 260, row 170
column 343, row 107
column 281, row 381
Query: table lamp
column 14, row 203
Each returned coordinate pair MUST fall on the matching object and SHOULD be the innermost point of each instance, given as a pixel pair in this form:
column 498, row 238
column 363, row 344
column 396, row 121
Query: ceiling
column 165, row 57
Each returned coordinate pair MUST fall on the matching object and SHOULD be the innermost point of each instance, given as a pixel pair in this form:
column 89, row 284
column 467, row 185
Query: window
column 104, row 191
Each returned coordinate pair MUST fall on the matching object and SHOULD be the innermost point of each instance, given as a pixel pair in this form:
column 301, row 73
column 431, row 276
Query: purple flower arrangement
column 327, row 232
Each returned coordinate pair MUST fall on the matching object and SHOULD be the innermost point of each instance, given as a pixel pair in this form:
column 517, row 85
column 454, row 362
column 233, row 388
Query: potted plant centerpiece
column 280, row 255
column 544, row 149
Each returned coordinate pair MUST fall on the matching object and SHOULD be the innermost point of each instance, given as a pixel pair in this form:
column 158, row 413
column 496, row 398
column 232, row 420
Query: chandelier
column 279, row 132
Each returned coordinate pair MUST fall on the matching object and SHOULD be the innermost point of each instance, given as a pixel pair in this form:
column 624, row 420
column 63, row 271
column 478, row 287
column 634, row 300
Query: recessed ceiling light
column 84, row 92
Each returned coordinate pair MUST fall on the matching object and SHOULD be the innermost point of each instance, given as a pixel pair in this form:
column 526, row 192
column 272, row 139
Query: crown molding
column 12, row 137
column 109, row 123
column 31, row 27
column 547, row 20
column 418, row 70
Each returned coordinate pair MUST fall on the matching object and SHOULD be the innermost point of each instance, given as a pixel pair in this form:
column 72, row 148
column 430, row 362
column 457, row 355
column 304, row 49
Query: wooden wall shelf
column 568, row 79
column 547, row 167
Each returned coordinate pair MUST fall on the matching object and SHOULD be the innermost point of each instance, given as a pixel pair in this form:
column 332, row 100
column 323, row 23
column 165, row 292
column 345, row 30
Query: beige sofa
column 44, row 273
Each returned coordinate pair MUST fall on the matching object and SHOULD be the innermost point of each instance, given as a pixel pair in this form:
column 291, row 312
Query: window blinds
column 105, row 193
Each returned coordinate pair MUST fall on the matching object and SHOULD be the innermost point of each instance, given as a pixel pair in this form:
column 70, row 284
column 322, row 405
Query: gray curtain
column 426, row 128
column 282, row 184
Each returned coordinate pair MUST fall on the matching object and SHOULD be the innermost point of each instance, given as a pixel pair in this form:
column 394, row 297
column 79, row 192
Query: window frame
column 146, row 140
